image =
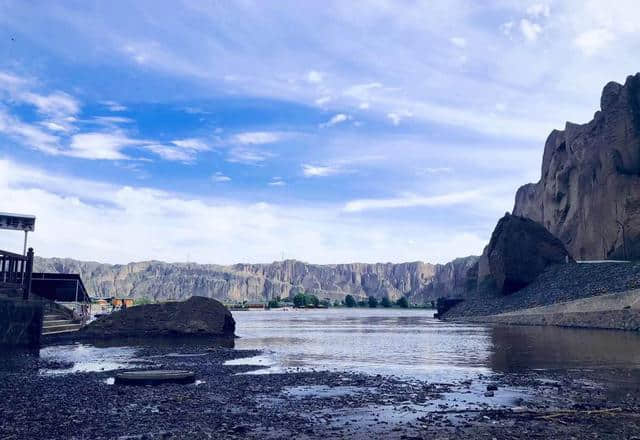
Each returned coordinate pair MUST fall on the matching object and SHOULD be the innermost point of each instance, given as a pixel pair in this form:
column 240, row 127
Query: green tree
column 402, row 302
column 336, row 303
column 312, row 300
column 362, row 303
column 274, row 303
column 349, row 301
column 385, row 302
column 299, row 300
column 373, row 303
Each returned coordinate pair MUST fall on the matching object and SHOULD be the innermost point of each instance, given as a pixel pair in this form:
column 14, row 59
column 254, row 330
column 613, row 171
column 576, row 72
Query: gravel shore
column 225, row 404
column 560, row 283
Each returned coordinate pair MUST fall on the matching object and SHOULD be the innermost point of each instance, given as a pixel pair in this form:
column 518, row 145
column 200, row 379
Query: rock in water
column 520, row 249
column 197, row 316
column 589, row 191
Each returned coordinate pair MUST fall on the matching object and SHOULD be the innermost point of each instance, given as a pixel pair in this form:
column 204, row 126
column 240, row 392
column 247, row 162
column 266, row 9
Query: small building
column 65, row 289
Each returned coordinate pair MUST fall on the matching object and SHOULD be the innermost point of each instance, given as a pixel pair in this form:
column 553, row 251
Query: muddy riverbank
column 41, row 398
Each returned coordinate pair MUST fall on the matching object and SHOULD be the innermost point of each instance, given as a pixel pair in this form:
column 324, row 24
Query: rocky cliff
column 259, row 282
column 589, row 191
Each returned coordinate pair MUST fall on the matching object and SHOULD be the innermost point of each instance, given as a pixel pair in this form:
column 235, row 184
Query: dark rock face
column 196, row 316
column 589, row 191
column 260, row 282
column 520, row 250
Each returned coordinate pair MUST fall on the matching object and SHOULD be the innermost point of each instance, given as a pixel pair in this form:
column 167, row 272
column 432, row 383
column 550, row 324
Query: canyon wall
column 156, row 280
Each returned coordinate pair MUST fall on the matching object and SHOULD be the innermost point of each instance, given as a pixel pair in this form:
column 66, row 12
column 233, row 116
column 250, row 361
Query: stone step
column 48, row 318
column 57, row 332
column 54, row 322
column 62, row 324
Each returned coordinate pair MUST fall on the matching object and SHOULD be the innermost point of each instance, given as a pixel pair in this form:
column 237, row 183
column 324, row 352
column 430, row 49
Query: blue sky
column 224, row 132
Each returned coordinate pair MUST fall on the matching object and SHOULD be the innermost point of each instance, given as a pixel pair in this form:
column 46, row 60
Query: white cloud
column 539, row 10
column 171, row 153
column 319, row 171
column 277, row 181
column 593, row 40
column 458, row 41
column 55, row 104
column 323, row 100
column 530, row 30
column 314, row 77
column 119, row 224
column 257, row 137
column 191, row 144
column 114, row 106
column 29, row 134
column 398, row 116
column 101, row 146
column 247, row 156
column 410, row 201
column 220, row 178
column 438, row 170
column 364, row 106
column 362, row 92
column 335, row 120
column 507, row 27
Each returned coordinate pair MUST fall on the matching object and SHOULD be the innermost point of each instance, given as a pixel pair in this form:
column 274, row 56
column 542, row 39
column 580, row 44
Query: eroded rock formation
column 260, row 282
column 589, row 192
column 520, row 249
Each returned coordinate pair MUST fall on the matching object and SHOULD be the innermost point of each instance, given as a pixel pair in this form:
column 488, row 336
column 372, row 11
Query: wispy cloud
column 220, row 177
column 410, row 201
column 319, row 170
column 257, row 137
column 114, row 106
column 276, row 181
column 247, row 156
column 335, row 120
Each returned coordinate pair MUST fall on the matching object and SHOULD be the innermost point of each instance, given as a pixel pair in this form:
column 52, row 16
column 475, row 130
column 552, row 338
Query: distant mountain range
column 156, row 280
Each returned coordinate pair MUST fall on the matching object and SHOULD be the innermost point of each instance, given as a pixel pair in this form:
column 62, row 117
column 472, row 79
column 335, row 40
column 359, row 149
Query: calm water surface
column 413, row 343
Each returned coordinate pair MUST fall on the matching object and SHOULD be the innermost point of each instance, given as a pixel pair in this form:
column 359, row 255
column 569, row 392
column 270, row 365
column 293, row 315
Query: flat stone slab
column 155, row 377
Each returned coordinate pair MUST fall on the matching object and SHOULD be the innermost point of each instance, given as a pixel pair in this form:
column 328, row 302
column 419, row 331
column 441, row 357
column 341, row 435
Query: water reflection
column 520, row 347
column 412, row 343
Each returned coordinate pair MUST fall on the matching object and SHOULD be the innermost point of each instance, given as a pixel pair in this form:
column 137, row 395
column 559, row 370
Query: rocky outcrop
column 261, row 282
column 519, row 250
column 196, row 316
column 589, row 191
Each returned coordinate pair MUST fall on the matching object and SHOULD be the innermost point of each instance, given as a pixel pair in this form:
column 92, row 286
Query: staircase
column 55, row 324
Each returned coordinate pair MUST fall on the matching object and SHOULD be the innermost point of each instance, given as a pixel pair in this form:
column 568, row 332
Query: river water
column 401, row 342
column 412, row 343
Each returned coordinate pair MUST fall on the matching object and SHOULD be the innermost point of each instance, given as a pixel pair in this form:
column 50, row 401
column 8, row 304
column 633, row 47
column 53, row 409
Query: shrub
column 402, row 302
column 349, row 301
column 385, row 302
column 373, row 303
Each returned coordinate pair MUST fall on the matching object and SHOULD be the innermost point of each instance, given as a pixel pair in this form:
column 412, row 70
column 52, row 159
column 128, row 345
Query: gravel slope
column 559, row 283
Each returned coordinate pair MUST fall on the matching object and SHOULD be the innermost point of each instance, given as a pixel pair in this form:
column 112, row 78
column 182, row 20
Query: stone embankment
column 615, row 311
column 560, row 283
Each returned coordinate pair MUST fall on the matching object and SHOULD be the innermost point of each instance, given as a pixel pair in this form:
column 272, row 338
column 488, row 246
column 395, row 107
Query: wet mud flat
column 42, row 398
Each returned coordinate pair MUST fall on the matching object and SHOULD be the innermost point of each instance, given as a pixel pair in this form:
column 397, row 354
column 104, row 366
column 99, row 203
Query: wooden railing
column 15, row 271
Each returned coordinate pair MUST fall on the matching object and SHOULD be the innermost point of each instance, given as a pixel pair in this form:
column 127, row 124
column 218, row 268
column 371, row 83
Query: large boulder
column 589, row 190
column 197, row 316
column 520, row 250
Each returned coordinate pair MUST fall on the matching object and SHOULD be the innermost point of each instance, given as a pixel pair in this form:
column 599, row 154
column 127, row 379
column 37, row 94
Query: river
column 412, row 343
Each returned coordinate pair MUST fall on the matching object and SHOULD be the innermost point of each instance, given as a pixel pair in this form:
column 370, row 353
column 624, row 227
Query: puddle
column 323, row 391
column 87, row 358
column 267, row 362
